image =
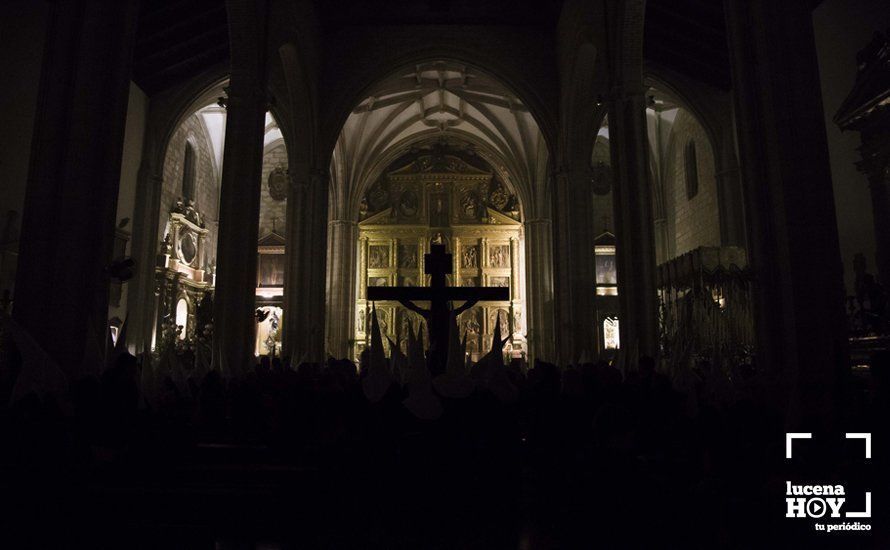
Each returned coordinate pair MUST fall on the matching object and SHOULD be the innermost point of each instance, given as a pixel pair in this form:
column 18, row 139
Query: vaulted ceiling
column 437, row 99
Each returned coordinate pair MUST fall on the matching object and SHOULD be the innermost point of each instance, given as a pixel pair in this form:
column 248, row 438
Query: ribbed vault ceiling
column 437, row 98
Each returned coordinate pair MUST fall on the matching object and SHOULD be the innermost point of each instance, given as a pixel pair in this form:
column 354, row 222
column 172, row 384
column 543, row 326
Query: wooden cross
column 437, row 264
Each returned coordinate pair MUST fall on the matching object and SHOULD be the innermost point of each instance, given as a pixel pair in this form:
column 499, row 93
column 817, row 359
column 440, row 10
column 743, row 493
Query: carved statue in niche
column 438, row 238
column 378, row 256
column 470, row 257
column 278, row 183
column 499, row 256
column 408, row 256
column 468, row 281
column 361, row 321
column 517, row 320
column 438, row 210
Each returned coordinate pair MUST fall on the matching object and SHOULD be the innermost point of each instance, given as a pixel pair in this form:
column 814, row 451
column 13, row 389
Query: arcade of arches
column 262, row 185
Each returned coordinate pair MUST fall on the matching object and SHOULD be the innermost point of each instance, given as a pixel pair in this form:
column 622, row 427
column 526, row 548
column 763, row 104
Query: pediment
column 384, row 217
column 272, row 238
column 497, row 218
column 439, row 164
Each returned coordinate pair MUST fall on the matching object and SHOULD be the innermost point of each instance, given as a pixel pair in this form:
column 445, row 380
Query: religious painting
column 409, row 204
column 382, row 321
column 406, row 323
column 378, row 196
column 278, row 181
column 610, row 333
column 270, row 270
column 606, row 273
column 378, row 281
column 378, row 256
column 469, row 328
column 188, row 248
column 470, row 257
column 499, row 255
column 438, row 211
column 499, row 281
column 408, row 256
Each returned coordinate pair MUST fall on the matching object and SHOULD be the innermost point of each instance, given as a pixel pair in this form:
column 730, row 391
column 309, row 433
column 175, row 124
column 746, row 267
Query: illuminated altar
column 182, row 276
column 442, row 199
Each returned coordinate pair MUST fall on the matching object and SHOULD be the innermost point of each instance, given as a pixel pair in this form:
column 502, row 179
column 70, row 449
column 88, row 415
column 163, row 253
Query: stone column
column 341, row 283
column 634, row 227
column 789, row 203
column 234, row 323
column 144, row 250
column 730, row 198
column 574, row 262
column 68, row 223
column 305, row 277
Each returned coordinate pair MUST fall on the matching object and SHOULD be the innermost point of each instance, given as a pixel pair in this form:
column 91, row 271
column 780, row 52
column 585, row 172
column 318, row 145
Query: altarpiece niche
column 434, row 197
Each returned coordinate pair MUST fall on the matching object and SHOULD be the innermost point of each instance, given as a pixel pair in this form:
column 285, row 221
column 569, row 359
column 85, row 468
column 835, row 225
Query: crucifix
column 437, row 264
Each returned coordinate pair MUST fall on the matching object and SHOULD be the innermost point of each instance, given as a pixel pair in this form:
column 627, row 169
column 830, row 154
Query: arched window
column 188, row 173
column 690, row 163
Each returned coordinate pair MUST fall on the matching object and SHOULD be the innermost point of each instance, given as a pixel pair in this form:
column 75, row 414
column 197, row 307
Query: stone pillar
column 730, row 199
column 789, row 203
column 305, row 277
column 341, row 283
column 634, row 226
column 574, row 263
column 68, row 224
column 234, row 323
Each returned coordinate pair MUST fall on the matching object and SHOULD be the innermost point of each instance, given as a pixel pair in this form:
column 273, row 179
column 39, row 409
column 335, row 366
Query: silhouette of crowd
column 587, row 452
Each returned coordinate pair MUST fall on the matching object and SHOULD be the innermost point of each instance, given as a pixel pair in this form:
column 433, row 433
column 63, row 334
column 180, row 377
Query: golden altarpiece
column 442, row 199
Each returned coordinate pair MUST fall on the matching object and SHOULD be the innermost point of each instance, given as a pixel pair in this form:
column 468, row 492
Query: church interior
column 496, row 274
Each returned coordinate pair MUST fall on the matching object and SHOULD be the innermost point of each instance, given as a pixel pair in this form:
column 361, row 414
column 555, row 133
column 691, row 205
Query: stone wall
column 206, row 178
column 272, row 210
column 695, row 222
